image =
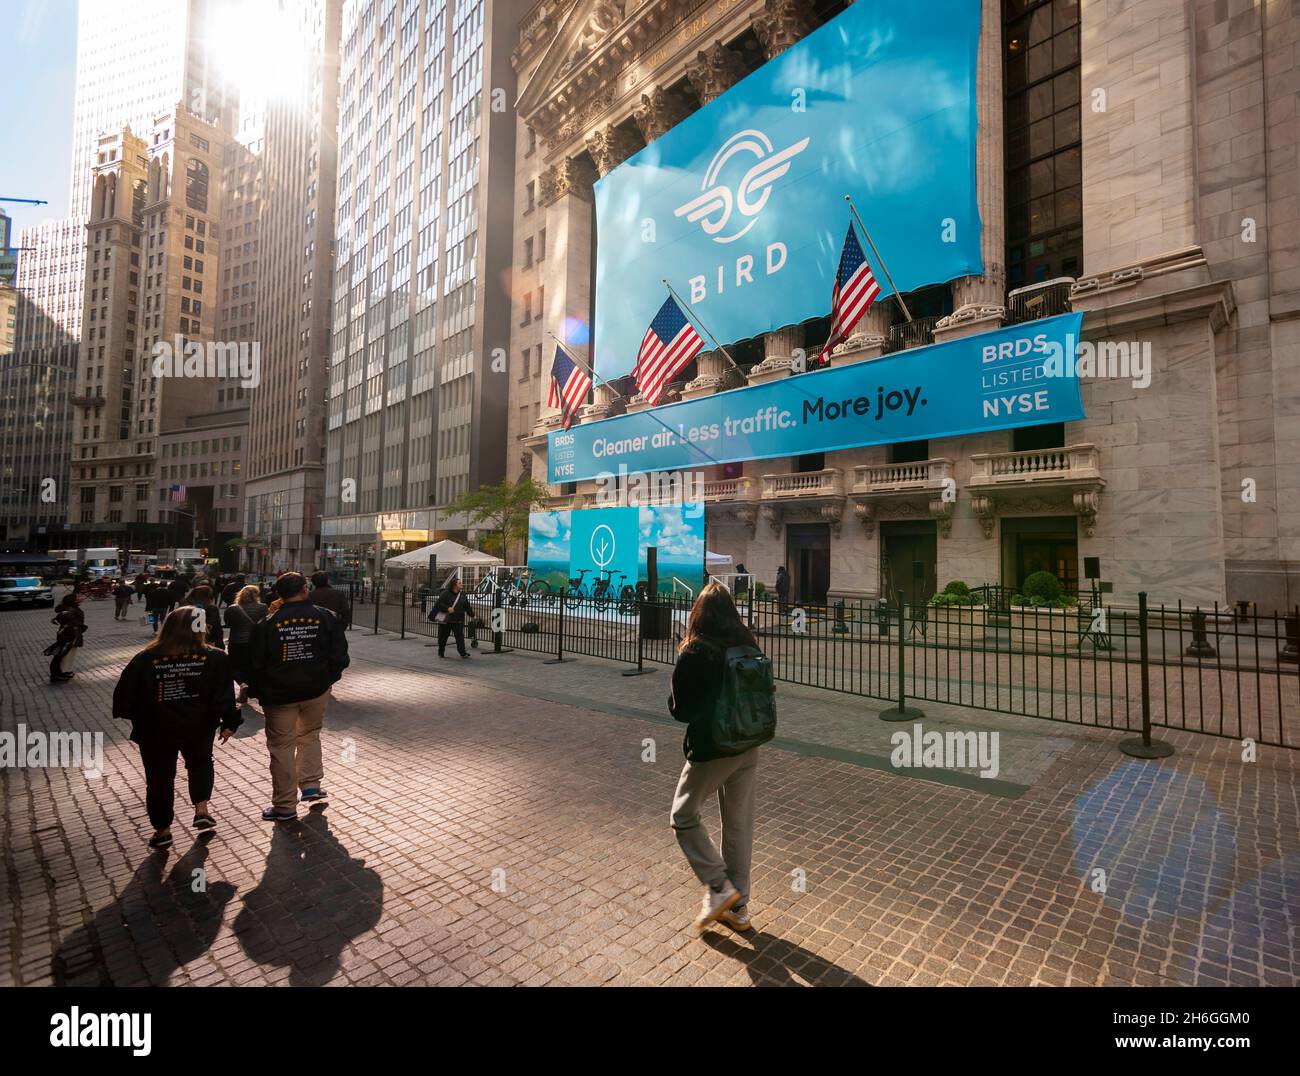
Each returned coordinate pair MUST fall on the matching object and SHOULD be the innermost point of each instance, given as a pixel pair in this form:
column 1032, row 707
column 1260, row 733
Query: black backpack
column 746, row 712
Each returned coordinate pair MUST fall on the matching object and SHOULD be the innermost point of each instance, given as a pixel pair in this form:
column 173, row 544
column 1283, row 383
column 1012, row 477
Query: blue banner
column 991, row 381
column 595, row 543
column 741, row 205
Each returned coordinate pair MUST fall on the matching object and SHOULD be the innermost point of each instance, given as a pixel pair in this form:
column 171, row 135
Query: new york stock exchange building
column 1084, row 222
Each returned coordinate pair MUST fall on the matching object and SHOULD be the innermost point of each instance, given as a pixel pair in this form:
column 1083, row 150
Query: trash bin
column 656, row 620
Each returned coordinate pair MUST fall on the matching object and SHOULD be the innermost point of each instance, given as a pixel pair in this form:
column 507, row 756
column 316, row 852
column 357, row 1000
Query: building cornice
column 587, row 76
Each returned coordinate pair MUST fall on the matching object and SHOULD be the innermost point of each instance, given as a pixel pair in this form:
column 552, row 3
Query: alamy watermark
column 27, row 748
column 211, row 358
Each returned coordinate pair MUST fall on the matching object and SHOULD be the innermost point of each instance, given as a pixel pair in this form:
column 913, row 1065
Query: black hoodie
column 295, row 654
column 174, row 698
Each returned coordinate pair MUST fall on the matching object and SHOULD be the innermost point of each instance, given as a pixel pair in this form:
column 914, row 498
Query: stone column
column 659, row 111
column 714, row 71
column 610, row 146
column 780, row 24
column 711, row 376
column 565, row 197
column 867, row 341
column 979, row 302
column 778, row 354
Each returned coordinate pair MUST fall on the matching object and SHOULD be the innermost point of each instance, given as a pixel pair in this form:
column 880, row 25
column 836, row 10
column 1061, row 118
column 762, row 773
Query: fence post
column 902, row 712
column 1143, row 746
column 640, row 669
column 559, row 650
column 403, row 627
column 498, row 602
column 1291, row 652
column 374, row 595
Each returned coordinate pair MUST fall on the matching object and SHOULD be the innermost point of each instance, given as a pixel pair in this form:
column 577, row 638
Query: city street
column 502, row 821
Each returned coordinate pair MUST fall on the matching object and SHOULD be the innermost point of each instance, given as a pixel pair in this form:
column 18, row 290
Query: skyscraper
column 295, row 243
column 136, row 60
column 416, row 403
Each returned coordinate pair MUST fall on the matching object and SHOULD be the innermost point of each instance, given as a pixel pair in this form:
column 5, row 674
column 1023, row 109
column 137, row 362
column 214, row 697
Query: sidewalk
column 493, row 821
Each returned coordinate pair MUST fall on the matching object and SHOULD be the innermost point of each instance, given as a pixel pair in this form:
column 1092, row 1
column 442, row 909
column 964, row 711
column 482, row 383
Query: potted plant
column 1043, row 616
column 956, row 615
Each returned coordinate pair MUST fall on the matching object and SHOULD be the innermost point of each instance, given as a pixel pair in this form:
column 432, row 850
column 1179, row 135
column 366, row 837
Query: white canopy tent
column 450, row 555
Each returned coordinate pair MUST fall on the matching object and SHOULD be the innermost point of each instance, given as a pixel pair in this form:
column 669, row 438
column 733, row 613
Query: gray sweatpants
column 733, row 780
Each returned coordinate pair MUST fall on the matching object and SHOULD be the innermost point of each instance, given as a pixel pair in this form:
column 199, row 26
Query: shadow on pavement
column 773, row 961
column 174, row 920
column 313, row 899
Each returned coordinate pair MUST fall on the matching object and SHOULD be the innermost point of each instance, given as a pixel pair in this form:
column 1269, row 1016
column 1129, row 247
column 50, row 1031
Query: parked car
column 25, row 590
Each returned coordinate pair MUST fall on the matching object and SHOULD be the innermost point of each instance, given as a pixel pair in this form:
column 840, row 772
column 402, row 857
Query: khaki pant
column 293, row 737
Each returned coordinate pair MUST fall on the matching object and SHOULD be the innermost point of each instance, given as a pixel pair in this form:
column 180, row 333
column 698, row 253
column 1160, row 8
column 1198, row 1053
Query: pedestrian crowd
column 286, row 646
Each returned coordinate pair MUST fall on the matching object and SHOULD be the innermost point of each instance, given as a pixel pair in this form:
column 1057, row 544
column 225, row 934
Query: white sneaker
column 715, row 904
column 736, row 918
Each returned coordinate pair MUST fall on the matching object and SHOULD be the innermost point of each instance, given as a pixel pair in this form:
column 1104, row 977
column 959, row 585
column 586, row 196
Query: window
column 1043, row 142
column 909, row 451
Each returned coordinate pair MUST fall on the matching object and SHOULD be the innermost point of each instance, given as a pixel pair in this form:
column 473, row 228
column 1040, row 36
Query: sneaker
column 465, row 655
column 161, row 840
column 715, row 904
column 737, row 918
column 204, row 821
column 314, row 795
column 271, row 814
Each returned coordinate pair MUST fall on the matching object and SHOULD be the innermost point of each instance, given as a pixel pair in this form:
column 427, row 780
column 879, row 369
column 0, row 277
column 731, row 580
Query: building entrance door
column 1041, row 545
column 808, row 554
column 908, row 552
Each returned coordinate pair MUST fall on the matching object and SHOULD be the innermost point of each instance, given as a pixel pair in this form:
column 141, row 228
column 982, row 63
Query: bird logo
column 713, row 209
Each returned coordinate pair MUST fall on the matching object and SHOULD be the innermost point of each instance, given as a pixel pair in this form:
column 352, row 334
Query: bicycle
column 577, row 584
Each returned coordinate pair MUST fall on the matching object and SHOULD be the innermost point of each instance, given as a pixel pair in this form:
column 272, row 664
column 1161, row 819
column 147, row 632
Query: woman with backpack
column 723, row 689
column 245, row 611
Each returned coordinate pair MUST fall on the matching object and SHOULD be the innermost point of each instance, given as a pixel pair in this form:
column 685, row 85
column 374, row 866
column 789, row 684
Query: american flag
column 569, row 386
column 670, row 343
column 855, row 290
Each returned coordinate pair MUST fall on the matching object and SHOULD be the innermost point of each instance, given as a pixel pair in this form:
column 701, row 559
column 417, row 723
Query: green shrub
column 1044, row 586
column 955, row 593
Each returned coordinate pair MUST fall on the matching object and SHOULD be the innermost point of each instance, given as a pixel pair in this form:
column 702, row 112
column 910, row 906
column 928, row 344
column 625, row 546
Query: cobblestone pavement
column 496, row 821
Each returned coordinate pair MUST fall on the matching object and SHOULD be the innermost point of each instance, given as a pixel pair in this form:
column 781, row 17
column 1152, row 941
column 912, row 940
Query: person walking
column 449, row 613
column 742, row 579
column 177, row 692
column 296, row 655
column 157, row 604
column 139, row 583
column 230, row 592
column 177, row 588
column 331, row 598
column 201, row 598
column 241, row 616
column 783, row 588
column 121, row 599
column 71, row 623
column 722, row 688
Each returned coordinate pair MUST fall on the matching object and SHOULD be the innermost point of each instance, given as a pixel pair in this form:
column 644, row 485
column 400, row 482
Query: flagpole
column 649, row 411
column 589, row 369
column 701, row 324
column 884, row 268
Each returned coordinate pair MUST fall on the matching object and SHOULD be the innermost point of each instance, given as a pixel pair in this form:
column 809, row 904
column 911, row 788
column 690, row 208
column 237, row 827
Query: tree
column 504, row 509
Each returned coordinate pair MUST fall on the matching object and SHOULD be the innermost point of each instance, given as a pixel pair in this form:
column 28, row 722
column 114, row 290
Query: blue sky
column 38, row 73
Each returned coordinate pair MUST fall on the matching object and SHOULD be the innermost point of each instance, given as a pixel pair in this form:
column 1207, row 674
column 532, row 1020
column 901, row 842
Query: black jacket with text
column 299, row 652
column 173, row 698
